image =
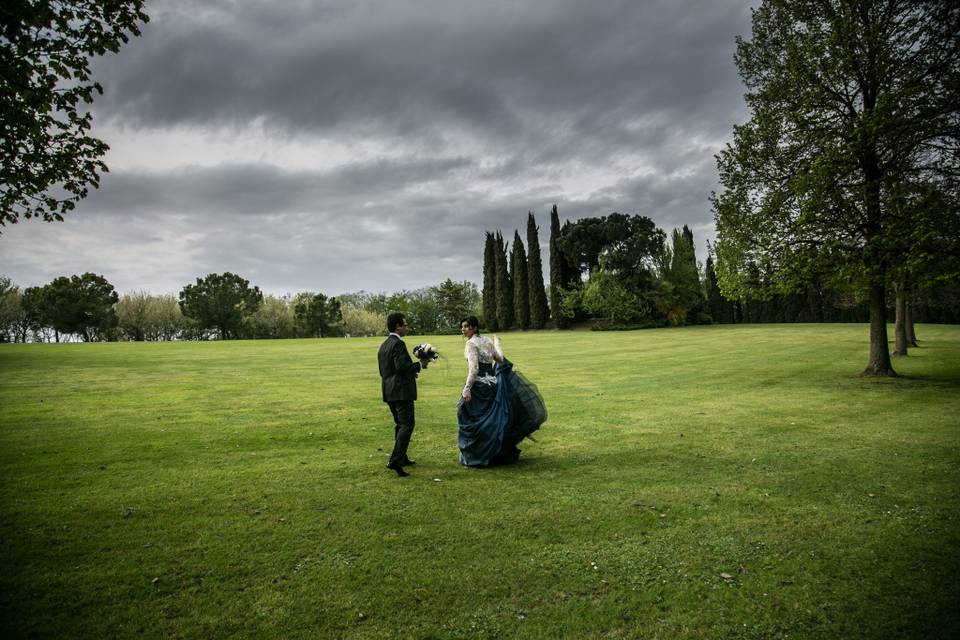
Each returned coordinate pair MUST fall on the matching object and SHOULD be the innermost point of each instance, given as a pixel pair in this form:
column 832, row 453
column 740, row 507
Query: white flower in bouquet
column 425, row 351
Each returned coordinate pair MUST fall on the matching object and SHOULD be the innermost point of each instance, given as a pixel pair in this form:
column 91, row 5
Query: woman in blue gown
column 498, row 407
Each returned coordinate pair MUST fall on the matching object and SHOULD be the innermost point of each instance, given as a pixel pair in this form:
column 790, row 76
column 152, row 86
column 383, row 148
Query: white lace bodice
column 481, row 349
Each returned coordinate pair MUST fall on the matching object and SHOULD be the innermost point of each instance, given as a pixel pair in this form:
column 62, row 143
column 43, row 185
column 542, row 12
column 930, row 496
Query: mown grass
column 734, row 482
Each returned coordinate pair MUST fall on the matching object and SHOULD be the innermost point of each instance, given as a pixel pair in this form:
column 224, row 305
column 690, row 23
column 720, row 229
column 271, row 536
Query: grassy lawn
column 715, row 482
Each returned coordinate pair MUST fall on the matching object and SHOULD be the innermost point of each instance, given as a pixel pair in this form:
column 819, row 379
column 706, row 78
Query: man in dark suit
column 398, row 381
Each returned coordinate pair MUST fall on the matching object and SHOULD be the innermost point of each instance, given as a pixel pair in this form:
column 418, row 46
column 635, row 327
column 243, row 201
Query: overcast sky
column 340, row 145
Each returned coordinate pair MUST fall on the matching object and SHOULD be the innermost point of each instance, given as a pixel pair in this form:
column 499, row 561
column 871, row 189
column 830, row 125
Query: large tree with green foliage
column 521, row 284
column 220, row 302
column 623, row 245
column 853, row 102
column 536, row 292
column 48, row 159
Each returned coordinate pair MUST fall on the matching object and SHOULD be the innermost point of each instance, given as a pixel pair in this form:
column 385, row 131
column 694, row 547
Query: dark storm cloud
column 288, row 231
column 262, row 189
column 573, row 70
column 451, row 117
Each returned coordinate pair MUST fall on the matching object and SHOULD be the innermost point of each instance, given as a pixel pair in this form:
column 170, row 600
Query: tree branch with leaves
column 48, row 159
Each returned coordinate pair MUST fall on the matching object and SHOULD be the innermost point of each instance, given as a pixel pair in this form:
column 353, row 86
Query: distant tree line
column 430, row 310
column 220, row 306
column 621, row 271
column 612, row 272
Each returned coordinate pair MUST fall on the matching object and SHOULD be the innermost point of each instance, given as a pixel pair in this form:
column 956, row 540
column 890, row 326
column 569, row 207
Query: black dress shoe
column 408, row 462
column 399, row 470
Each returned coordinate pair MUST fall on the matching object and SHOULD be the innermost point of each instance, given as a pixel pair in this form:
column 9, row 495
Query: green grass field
column 715, row 482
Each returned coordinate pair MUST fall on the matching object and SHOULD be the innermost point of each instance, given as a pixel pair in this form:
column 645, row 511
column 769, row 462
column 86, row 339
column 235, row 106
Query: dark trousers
column 404, row 421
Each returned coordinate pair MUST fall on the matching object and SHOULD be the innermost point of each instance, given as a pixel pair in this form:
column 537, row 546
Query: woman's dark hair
column 394, row 320
column 473, row 322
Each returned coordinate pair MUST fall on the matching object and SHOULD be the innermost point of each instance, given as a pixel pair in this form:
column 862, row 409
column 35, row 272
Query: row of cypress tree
column 634, row 274
column 513, row 289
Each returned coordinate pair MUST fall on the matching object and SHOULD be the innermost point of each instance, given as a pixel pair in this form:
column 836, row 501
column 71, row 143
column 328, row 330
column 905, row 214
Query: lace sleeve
column 472, row 354
column 497, row 349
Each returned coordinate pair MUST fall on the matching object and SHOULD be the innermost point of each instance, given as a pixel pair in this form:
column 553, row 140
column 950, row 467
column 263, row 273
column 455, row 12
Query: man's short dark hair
column 394, row 320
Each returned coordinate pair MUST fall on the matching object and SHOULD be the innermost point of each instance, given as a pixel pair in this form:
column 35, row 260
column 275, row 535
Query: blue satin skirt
column 498, row 417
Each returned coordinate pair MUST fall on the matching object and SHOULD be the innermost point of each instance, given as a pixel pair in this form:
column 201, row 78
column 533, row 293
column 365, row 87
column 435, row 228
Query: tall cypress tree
column 539, row 312
column 504, row 285
column 490, row 284
column 558, row 276
column 521, row 296
column 684, row 275
column 715, row 301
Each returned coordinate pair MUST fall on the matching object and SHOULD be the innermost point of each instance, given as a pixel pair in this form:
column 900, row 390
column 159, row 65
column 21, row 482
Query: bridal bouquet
column 425, row 351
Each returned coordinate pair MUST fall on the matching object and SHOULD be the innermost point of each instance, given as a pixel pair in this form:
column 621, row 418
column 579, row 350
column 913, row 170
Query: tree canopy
column 624, row 245
column 220, row 302
column 48, row 160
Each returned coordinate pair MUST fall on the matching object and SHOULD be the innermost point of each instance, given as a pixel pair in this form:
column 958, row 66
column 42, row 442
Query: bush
column 360, row 322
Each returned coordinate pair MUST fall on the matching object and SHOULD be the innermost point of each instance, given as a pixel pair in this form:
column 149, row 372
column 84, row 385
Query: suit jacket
column 398, row 371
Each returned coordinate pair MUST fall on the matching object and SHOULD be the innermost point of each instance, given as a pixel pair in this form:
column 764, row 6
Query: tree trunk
column 900, row 325
column 879, row 364
column 911, row 334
